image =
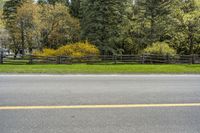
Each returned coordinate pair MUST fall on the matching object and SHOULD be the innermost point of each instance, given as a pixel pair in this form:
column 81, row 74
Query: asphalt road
column 84, row 90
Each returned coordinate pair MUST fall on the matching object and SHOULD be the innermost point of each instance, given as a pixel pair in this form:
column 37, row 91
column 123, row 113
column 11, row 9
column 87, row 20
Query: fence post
column 193, row 59
column 168, row 59
column 142, row 61
column 115, row 59
column 31, row 59
column 1, row 57
column 58, row 59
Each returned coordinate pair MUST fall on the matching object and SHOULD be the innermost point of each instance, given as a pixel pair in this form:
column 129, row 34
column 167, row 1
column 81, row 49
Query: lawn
column 101, row 69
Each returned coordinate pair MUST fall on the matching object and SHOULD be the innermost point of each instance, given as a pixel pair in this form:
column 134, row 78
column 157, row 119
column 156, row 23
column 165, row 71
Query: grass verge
column 101, row 69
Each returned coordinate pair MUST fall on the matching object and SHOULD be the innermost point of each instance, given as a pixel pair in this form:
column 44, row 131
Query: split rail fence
column 104, row 59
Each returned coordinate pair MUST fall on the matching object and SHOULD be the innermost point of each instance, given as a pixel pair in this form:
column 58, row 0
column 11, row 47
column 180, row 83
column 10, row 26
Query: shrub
column 160, row 48
column 79, row 49
column 45, row 52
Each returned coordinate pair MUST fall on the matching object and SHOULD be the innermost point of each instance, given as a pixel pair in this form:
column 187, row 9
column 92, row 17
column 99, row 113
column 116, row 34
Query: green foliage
column 10, row 19
column 2, row 2
column 185, row 37
column 34, row 26
column 53, row 2
column 10, row 11
column 75, row 8
column 1, row 20
column 4, row 35
column 57, row 26
column 27, row 24
column 41, row 2
column 151, row 21
column 114, row 26
column 160, row 48
column 103, row 23
column 172, row 21
column 79, row 49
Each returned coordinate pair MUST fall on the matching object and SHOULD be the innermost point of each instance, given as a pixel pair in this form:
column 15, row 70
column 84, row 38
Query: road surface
column 100, row 104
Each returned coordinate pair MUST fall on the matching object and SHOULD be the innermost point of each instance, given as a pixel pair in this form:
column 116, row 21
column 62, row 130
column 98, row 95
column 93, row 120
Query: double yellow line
column 99, row 106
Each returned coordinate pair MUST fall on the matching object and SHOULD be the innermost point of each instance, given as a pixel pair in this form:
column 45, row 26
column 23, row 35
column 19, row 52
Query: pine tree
column 103, row 23
column 53, row 2
column 10, row 10
column 75, row 8
column 42, row 2
column 152, row 16
column 10, row 16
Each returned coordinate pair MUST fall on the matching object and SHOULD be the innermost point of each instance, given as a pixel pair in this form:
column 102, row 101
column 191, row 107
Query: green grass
column 100, row 69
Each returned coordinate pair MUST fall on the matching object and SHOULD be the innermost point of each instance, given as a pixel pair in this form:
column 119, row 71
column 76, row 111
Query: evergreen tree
column 75, row 8
column 10, row 10
column 151, row 21
column 2, row 2
column 53, row 2
column 10, row 16
column 42, row 2
column 103, row 23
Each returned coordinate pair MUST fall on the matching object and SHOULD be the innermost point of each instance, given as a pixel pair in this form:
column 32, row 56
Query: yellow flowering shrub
column 45, row 52
column 79, row 49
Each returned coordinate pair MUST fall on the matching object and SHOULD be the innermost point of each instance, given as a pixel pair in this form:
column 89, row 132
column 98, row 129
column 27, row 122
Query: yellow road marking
column 99, row 106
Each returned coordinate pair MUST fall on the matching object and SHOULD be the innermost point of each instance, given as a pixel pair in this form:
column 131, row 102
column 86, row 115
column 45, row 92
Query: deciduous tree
column 27, row 23
column 185, row 37
column 57, row 26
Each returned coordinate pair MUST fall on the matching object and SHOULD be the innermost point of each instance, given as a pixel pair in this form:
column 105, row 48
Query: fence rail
column 111, row 59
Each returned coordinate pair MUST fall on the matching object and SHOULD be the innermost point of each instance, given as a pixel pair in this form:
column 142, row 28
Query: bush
column 79, row 49
column 160, row 48
column 45, row 52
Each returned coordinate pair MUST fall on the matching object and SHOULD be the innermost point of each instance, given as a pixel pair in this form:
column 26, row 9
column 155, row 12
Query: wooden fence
column 105, row 59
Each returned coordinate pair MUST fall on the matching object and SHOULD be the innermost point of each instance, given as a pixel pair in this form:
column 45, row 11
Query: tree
column 151, row 21
column 102, row 23
column 21, row 24
column 4, row 35
column 1, row 19
column 75, row 8
column 57, row 26
column 27, row 24
column 187, row 32
column 10, row 11
column 58, row 1
column 4, row 38
column 53, row 2
column 41, row 2
column 2, row 2
column 9, row 16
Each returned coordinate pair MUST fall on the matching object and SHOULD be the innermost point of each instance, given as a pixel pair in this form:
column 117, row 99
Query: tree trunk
column 22, row 38
column 191, row 40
